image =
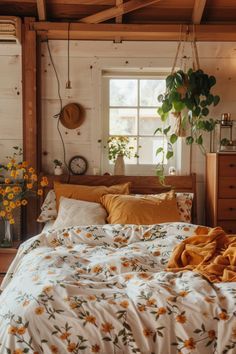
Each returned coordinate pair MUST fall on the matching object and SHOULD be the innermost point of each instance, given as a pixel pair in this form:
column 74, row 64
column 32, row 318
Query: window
column 130, row 107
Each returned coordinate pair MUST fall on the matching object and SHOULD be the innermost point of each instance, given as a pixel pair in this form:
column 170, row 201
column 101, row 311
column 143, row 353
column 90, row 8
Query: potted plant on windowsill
column 187, row 98
column 118, row 148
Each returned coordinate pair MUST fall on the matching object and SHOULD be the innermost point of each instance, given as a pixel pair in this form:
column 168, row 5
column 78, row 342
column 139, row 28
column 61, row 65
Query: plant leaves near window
column 188, row 98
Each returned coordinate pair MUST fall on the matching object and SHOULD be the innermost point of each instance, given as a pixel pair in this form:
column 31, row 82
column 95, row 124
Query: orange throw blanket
column 211, row 254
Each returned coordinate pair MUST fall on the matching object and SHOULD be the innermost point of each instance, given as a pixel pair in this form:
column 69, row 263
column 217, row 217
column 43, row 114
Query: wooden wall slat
column 31, row 133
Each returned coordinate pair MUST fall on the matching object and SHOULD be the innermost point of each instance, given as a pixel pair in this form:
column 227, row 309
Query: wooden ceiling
column 124, row 11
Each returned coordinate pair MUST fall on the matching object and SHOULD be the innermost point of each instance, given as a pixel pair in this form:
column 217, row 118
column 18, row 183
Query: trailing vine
column 187, row 97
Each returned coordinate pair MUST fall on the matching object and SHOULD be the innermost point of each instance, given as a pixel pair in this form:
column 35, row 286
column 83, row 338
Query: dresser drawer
column 227, row 165
column 228, row 226
column 227, row 187
column 227, row 209
column 5, row 261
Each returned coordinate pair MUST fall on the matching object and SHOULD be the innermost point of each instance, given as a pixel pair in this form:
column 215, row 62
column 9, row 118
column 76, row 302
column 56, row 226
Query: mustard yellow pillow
column 141, row 210
column 88, row 193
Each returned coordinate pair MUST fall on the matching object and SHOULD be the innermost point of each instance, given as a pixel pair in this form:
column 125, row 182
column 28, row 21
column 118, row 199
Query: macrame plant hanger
column 180, row 130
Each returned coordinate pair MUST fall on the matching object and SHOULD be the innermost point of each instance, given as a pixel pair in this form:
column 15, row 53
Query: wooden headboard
column 140, row 184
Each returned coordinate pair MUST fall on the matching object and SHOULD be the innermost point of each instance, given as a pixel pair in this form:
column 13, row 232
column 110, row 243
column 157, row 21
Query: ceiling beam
column 160, row 32
column 119, row 18
column 41, row 7
column 119, row 10
column 199, row 6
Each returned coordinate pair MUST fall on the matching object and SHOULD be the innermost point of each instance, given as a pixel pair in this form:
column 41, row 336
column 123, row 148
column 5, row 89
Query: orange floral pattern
column 109, row 292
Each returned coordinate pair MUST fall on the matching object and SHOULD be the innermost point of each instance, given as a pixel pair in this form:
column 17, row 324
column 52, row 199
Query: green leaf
column 212, row 81
column 190, row 71
column 216, row 100
column 210, row 99
column 173, row 138
column 174, row 96
column 189, row 104
column 169, row 154
column 196, row 111
column 159, row 150
column 199, row 140
column 166, row 130
column 189, row 140
column 166, row 106
column 169, row 81
column 178, row 106
column 203, row 103
column 179, row 78
column 205, row 111
column 158, row 130
column 162, row 115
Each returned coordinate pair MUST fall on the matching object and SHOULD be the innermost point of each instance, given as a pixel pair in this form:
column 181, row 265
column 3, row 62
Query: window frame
column 130, row 169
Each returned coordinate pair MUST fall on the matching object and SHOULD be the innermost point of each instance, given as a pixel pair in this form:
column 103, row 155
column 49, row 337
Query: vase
column 7, row 240
column 58, row 170
column 119, row 168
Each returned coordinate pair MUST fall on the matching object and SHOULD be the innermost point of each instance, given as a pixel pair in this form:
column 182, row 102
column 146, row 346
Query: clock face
column 78, row 165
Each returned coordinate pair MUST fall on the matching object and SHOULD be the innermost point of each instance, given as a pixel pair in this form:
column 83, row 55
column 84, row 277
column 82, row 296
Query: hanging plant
column 187, row 98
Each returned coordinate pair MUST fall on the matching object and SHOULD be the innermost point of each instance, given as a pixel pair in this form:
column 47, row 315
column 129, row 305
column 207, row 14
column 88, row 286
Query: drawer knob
column 231, row 209
column 231, row 187
column 231, row 165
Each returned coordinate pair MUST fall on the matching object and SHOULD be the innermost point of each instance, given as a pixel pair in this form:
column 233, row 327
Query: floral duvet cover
column 103, row 289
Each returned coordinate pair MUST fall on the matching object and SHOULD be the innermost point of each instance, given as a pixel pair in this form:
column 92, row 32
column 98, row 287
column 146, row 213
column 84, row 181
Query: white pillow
column 74, row 212
column 48, row 209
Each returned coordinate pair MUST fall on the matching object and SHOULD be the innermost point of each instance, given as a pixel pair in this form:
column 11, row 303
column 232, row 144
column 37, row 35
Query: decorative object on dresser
column 6, row 257
column 57, row 167
column 221, row 190
column 222, row 137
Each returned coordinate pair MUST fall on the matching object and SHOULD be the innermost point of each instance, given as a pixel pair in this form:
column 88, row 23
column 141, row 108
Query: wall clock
column 78, row 165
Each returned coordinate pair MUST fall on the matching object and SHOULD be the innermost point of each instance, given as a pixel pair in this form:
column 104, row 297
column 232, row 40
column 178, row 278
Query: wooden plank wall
column 87, row 60
column 10, row 99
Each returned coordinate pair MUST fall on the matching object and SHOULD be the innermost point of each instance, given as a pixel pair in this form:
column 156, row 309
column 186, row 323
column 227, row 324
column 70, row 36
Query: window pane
column 123, row 121
column 150, row 90
column 149, row 121
column 123, row 92
column 147, row 152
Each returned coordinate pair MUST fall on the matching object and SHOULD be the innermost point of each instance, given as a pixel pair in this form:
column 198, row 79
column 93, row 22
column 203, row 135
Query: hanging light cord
column 68, row 84
column 57, row 116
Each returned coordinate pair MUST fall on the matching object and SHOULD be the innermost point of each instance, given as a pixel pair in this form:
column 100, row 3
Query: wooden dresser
column 221, row 191
column 6, row 257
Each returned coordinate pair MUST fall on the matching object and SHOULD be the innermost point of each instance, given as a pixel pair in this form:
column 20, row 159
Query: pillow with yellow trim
column 141, row 210
column 88, row 193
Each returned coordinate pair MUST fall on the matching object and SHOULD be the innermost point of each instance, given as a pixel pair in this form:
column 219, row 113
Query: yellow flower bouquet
column 19, row 181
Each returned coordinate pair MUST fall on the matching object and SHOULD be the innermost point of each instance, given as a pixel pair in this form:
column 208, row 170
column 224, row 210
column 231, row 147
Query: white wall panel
column 10, row 99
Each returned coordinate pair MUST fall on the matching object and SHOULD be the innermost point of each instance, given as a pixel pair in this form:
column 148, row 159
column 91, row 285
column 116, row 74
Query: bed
column 104, row 289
